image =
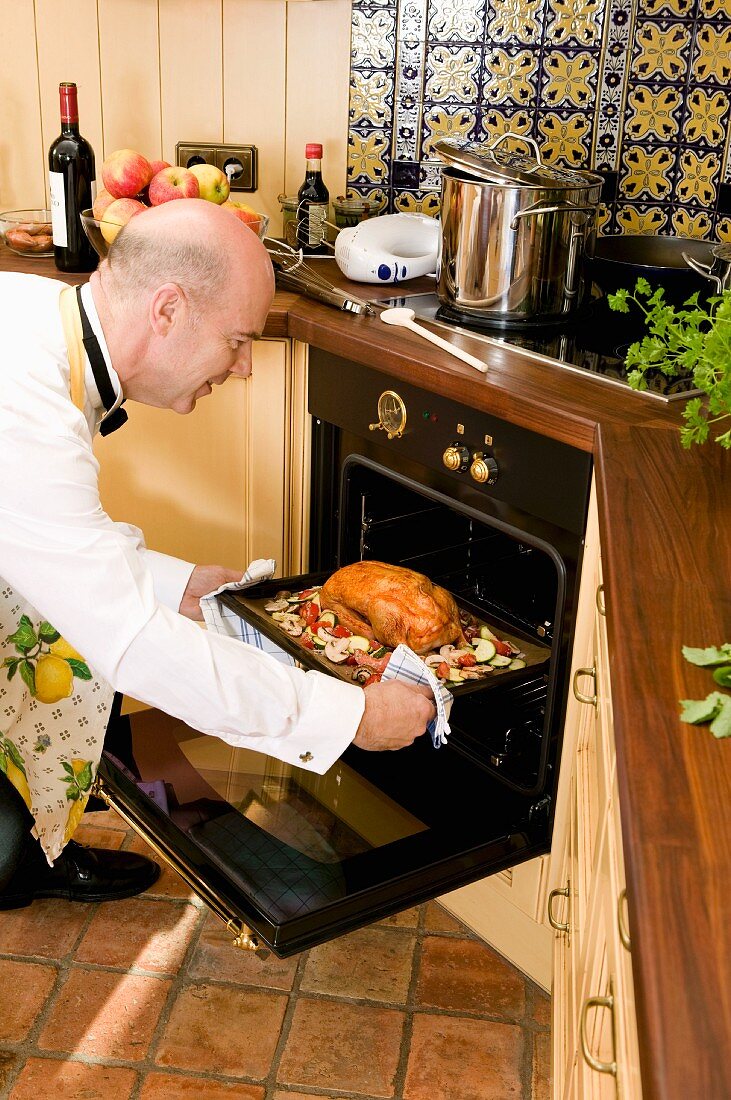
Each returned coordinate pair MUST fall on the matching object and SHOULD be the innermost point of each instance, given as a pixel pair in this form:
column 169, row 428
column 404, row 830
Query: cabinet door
column 210, row 487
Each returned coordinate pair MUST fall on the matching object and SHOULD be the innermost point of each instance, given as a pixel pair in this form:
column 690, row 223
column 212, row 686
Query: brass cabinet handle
column 562, row 892
column 596, row 1002
column 590, row 699
column 601, row 605
column 621, row 921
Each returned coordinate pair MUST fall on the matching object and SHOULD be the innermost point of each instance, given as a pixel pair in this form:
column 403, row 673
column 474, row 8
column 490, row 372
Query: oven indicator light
column 426, row 415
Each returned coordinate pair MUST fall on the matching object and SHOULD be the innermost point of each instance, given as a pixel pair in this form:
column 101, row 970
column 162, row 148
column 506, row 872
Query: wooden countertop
column 665, row 517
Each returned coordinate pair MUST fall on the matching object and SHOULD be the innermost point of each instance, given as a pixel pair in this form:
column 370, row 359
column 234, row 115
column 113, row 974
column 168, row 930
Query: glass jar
column 351, row 211
column 288, row 205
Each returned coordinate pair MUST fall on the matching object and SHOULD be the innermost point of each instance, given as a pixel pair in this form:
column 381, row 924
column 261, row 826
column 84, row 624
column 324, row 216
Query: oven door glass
column 300, row 857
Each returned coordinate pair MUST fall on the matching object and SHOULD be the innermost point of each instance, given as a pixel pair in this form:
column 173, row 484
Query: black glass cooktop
column 594, row 343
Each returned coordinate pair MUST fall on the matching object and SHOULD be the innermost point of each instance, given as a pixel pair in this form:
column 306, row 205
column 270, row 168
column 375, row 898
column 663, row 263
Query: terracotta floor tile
column 541, row 1008
column 216, row 957
column 8, row 1063
column 30, row 984
column 139, row 932
column 105, row 1015
column 48, row 927
column 105, row 819
column 221, row 1028
column 169, row 884
column 541, row 1081
column 332, row 1045
column 409, row 918
column 373, row 963
column 458, row 1059
column 467, row 976
column 437, row 919
column 173, row 1086
column 96, row 836
column 43, row 1077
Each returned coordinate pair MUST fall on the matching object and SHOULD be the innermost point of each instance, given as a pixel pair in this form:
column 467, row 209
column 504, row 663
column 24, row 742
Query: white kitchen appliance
column 388, row 249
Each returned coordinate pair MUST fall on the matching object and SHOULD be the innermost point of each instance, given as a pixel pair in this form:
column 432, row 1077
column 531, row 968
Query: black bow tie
column 118, row 417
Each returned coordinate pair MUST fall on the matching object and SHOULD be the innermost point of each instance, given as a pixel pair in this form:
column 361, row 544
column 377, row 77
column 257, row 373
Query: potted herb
column 690, row 340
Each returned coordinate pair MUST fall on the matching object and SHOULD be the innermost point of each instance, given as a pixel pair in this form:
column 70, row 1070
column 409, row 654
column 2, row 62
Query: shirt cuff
column 170, row 577
column 325, row 729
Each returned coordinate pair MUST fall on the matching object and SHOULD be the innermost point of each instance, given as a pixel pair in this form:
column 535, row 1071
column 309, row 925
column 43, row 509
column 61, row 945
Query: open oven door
column 291, row 858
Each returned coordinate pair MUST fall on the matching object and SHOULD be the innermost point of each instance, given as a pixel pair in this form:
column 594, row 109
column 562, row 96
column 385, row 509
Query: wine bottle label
column 58, row 209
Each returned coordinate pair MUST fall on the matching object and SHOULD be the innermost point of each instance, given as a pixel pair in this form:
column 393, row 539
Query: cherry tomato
column 307, row 642
column 375, row 678
column 307, row 592
column 466, row 660
column 502, row 648
column 310, row 613
column 351, row 660
column 443, row 670
column 341, row 632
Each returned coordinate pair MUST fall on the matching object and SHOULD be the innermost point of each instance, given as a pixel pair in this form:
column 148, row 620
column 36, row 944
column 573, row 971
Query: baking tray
column 249, row 605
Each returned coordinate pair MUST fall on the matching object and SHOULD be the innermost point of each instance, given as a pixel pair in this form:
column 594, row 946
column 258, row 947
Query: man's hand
column 205, row 579
column 395, row 715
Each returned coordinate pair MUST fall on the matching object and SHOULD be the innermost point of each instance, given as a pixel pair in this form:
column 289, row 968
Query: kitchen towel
column 404, row 663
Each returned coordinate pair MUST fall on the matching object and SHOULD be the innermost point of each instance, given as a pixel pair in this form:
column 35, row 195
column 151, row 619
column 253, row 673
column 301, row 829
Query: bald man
column 85, row 609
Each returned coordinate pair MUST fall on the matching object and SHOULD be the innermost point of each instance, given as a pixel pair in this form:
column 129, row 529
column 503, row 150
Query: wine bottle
column 313, row 199
column 72, row 181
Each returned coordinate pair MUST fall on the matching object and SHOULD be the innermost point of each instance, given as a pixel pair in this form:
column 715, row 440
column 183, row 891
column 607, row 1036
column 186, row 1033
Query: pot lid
column 495, row 165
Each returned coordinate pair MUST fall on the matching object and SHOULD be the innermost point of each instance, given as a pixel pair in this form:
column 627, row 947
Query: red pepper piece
column 466, row 660
column 341, row 632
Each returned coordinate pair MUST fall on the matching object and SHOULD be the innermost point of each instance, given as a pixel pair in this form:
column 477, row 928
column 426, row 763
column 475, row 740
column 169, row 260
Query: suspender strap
column 116, row 419
column 73, row 335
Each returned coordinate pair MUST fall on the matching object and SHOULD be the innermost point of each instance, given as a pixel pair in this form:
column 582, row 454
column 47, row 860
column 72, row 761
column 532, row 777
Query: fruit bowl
column 94, row 229
column 27, row 232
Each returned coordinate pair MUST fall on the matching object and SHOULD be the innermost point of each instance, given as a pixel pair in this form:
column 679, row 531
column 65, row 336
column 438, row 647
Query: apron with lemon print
column 53, row 711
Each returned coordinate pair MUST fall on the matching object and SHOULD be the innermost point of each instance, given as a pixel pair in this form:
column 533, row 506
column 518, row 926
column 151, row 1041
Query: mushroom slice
column 336, row 652
column 276, row 605
column 360, row 675
column 293, row 625
column 446, row 652
column 434, row 660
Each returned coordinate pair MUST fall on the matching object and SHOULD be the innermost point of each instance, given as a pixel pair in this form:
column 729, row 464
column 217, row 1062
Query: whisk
column 293, row 273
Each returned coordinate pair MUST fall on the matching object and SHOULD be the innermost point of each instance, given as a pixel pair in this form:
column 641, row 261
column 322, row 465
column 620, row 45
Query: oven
column 492, row 512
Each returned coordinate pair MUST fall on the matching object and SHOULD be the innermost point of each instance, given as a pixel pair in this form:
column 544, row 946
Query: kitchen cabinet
column 226, row 483
column 595, row 1048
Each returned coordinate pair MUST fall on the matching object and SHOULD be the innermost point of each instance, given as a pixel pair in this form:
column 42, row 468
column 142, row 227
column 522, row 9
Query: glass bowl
column 27, row 232
column 94, row 229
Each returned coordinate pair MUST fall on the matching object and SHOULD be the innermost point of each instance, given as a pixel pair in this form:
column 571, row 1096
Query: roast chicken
column 393, row 605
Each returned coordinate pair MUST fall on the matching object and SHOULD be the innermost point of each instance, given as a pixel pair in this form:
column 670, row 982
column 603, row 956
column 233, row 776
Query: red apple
column 125, row 172
column 212, row 182
column 101, row 202
column 158, row 165
column 117, row 214
column 172, row 183
column 244, row 213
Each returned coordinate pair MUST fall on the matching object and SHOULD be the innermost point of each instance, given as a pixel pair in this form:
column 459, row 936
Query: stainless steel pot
column 515, row 233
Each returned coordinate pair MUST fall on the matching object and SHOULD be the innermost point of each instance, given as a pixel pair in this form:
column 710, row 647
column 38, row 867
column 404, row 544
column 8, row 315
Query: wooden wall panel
column 22, row 182
column 254, row 50
column 191, row 72
column 67, row 33
column 318, row 74
column 129, row 53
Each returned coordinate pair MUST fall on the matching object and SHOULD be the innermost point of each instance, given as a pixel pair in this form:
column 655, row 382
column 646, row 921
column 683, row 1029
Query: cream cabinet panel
column 22, row 149
column 595, row 1047
column 210, row 487
column 129, row 53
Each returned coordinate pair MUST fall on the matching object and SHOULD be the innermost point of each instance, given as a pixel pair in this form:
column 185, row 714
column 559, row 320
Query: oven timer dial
column 484, row 469
column 456, row 457
column 391, row 415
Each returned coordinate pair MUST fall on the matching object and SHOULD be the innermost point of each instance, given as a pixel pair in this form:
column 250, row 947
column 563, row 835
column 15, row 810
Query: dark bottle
column 313, row 199
column 72, row 178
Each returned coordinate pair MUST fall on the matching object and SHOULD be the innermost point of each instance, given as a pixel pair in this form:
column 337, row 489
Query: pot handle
column 518, row 137
column 553, row 208
column 704, row 270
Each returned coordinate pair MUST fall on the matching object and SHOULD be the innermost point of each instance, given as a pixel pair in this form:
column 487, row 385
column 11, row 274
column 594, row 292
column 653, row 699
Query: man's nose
column 242, row 365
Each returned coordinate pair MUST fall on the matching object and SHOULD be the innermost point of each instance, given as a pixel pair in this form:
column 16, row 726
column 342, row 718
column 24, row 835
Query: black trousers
column 16, row 820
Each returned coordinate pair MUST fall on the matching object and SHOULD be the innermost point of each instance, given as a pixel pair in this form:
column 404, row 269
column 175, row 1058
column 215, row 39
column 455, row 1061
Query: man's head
column 185, row 289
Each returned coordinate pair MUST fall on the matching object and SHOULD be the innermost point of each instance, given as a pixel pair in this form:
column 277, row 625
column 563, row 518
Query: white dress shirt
column 112, row 599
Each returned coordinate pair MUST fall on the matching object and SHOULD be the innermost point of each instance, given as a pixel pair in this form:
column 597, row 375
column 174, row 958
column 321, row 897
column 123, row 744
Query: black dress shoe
column 79, row 874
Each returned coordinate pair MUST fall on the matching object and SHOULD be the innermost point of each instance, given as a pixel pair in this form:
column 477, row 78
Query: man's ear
column 167, row 306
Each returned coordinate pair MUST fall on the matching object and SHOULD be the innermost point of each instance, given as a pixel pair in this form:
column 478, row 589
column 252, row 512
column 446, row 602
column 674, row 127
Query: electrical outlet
column 239, row 162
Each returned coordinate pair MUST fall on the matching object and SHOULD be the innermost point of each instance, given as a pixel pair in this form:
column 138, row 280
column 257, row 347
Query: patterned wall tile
column 639, row 90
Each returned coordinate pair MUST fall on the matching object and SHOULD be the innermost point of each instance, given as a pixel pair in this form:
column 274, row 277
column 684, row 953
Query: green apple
column 212, row 182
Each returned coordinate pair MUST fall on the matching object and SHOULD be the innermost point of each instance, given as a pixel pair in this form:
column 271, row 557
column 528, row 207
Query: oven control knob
column 456, row 457
column 483, row 469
